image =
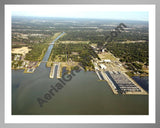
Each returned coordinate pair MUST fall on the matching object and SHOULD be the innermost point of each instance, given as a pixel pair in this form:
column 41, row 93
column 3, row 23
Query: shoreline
column 62, row 66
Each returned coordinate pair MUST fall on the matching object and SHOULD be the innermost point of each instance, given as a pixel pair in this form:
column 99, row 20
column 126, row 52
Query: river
column 83, row 95
column 46, row 56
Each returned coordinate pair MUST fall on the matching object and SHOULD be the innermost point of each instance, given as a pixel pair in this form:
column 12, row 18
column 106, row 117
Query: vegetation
column 17, row 46
column 130, row 52
column 36, row 52
column 13, row 55
column 16, row 64
column 100, row 38
column 96, row 37
column 134, row 55
column 82, row 53
column 36, row 33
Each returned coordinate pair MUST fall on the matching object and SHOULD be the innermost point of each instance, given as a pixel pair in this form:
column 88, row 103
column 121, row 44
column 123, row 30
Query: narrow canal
column 46, row 56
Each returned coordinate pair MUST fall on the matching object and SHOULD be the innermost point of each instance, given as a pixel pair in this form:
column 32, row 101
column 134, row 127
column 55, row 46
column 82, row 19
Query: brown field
column 22, row 50
column 94, row 45
column 18, row 43
column 130, row 41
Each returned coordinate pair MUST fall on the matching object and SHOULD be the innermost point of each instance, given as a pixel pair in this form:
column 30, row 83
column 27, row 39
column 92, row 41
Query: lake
column 83, row 95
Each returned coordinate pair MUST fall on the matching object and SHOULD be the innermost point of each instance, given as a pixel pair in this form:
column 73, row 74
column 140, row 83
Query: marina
column 110, row 83
column 99, row 75
column 58, row 71
column 51, row 75
column 55, row 71
column 115, row 75
column 121, row 83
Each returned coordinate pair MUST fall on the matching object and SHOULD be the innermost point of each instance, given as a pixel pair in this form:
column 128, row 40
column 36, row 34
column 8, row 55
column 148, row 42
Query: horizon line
column 76, row 18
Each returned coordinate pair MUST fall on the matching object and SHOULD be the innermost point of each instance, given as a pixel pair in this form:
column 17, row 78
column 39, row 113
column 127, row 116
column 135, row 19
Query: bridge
column 44, row 61
column 52, row 62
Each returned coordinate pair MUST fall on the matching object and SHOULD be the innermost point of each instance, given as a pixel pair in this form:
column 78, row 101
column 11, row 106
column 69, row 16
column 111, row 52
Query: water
column 55, row 71
column 46, row 56
column 143, row 81
column 64, row 70
column 101, row 75
column 84, row 94
column 110, row 77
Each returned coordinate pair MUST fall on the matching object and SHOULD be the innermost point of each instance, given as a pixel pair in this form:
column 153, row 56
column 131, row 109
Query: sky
column 83, row 11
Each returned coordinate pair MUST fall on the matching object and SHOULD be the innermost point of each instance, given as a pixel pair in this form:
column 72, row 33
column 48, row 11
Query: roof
column 103, row 66
column 107, row 60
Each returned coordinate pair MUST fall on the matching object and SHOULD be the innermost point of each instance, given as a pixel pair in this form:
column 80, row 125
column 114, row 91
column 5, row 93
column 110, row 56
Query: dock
column 58, row 71
column 55, row 71
column 99, row 75
column 111, row 84
column 142, row 92
column 122, row 83
column 51, row 75
column 29, row 70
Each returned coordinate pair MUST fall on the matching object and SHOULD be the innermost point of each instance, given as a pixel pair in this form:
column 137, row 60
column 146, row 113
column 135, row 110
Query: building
column 103, row 50
column 102, row 66
column 96, row 68
column 107, row 61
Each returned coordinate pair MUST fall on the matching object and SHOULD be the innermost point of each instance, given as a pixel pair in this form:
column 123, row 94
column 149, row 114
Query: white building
column 96, row 68
column 107, row 61
column 103, row 50
column 103, row 66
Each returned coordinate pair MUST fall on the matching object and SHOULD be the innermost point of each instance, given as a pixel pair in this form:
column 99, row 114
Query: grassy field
column 107, row 55
column 94, row 45
column 52, row 38
column 74, row 42
column 56, row 35
column 69, row 65
column 49, row 63
column 43, row 53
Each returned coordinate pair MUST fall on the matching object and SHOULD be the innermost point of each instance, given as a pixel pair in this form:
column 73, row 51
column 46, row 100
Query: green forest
column 37, row 52
column 130, row 52
column 134, row 55
column 82, row 53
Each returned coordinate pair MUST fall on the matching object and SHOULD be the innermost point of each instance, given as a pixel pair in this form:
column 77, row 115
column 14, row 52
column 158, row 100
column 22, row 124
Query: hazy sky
column 82, row 11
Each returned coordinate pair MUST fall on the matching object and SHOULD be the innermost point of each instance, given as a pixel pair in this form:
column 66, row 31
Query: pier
column 99, row 75
column 55, row 71
column 121, row 83
column 58, row 71
column 51, row 75
column 111, row 84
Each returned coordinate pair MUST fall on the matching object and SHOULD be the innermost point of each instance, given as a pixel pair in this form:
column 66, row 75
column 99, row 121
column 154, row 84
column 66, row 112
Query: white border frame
column 83, row 118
